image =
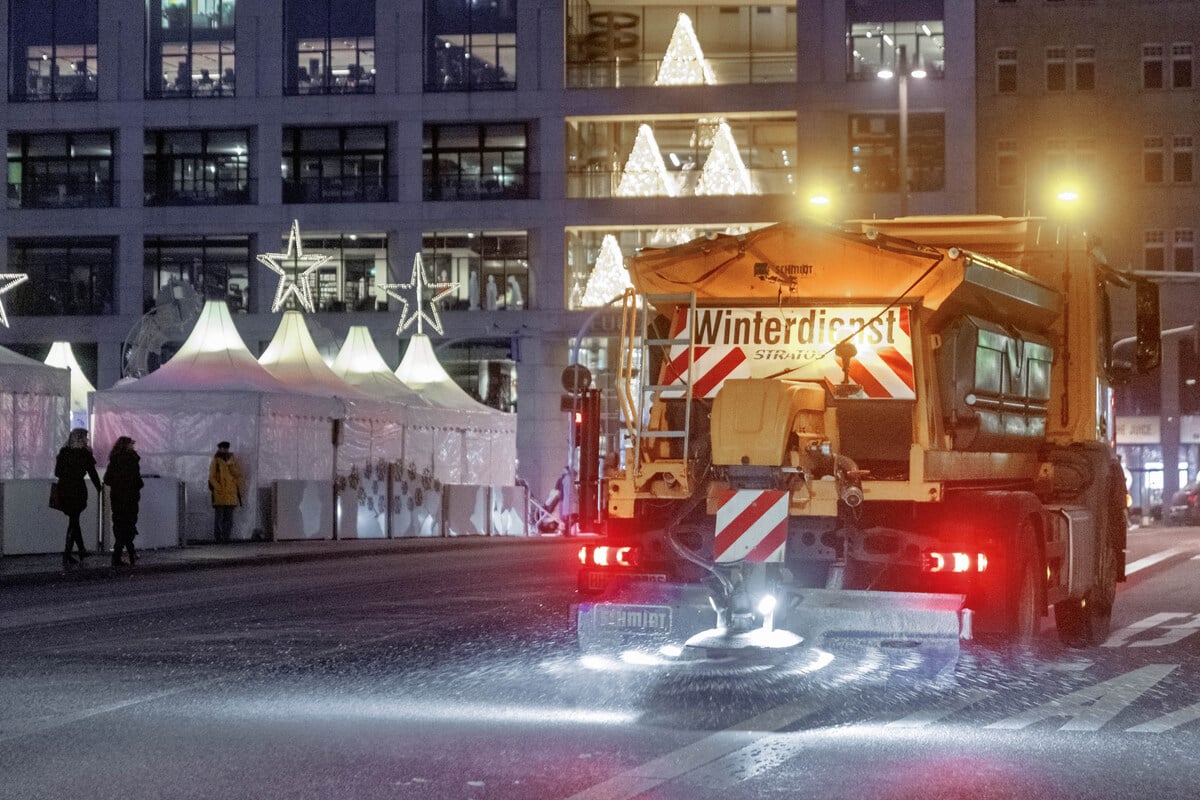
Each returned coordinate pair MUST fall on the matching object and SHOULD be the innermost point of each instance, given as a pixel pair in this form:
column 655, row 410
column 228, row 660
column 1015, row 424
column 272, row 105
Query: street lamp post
column 902, row 74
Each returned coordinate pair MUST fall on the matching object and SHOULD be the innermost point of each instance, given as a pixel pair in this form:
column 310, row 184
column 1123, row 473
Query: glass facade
column 60, row 170
column 357, row 265
column 491, row 268
column 476, row 162
column 624, row 44
column 68, row 277
column 470, row 46
column 190, row 48
column 875, row 148
column 878, row 31
column 216, row 267
column 754, row 155
column 335, row 165
column 52, row 47
column 196, row 167
column 330, row 46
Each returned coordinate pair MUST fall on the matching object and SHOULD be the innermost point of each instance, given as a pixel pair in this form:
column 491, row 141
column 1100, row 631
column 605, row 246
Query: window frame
column 1183, row 159
column 1154, row 157
column 1153, row 56
column 441, row 183
column 1006, row 67
column 1182, row 69
column 298, row 160
column 39, row 171
column 163, row 186
column 1084, row 68
column 79, row 85
column 101, row 287
column 1056, row 69
column 216, row 40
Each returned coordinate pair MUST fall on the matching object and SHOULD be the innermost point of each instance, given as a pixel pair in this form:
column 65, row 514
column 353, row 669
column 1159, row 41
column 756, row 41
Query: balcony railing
column 65, row 192
column 481, row 187
column 597, row 184
column 349, row 189
column 208, row 194
column 732, row 70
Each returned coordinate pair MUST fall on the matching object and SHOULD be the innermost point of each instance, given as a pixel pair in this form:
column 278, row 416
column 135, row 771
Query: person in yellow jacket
column 225, row 485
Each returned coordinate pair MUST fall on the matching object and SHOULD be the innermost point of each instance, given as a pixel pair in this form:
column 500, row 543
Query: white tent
column 63, row 357
column 213, row 389
column 34, row 413
column 466, row 441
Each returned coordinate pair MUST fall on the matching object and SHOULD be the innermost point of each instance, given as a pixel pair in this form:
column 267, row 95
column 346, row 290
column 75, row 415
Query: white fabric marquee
column 213, row 389
column 35, row 402
column 63, row 357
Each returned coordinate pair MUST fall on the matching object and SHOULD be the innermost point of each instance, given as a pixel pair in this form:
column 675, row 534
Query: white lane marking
column 666, row 768
column 1090, row 708
column 939, row 711
column 1151, row 560
column 1176, row 633
column 1123, row 636
column 1168, row 721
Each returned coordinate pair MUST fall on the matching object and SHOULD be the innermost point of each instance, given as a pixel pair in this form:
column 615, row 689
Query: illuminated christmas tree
column 645, row 173
column 724, row 173
column 684, row 64
column 609, row 278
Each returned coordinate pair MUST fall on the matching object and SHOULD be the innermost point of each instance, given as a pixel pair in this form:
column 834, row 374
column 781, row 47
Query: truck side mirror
column 1148, row 354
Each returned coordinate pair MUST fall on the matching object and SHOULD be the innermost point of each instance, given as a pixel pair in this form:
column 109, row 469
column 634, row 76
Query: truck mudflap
column 660, row 618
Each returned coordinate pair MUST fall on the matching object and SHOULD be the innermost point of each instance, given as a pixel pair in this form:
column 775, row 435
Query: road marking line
column 1090, row 708
column 664, row 769
column 1169, row 721
column 939, row 711
column 1150, row 561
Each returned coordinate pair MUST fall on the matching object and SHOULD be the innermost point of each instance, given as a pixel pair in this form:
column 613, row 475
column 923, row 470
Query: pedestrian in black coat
column 124, row 480
column 75, row 461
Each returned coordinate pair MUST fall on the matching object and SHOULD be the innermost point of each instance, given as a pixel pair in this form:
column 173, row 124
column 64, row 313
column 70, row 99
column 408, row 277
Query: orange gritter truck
column 889, row 431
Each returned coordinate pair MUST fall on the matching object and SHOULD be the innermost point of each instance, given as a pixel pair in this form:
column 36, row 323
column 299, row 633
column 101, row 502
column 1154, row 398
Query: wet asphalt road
column 455, row 675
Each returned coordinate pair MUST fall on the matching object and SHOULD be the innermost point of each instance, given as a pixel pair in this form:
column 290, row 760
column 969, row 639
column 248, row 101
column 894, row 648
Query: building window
column 1056, row 69
column 189, row 48
column 476, row 162
column 1058, row 159
column 216, row 267
column 196, row 167
column 874, row 44
column 1181, row 65
column 335, row 165
column 1185, row 254
column 1181, row 159
column 69, row 277
column 625, row 45
column 330, row 46
column 470, row 46
column 1008, row 163
column 1153, row 166
column 1085, row 69
column 1006, row 70
column 1152, row 66
column 60, row 170
column 875, row 145
column 52, row 49
column 491, row 268
column 357, row 267
column 617, row 158
column 1154, row 251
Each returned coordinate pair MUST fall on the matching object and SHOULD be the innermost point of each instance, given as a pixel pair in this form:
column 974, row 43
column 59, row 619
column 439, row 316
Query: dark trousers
column 74, row 535
column 222, row 523
column 124, row 531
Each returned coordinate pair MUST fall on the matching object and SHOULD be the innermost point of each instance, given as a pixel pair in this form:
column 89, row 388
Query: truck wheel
column 1024, row 610
column 1085, row 623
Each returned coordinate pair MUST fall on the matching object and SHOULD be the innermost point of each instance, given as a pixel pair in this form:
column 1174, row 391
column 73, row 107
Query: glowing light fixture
column 294, row 272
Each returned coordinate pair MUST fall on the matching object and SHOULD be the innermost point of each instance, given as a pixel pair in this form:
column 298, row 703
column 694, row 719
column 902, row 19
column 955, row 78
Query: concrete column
column 541, row 427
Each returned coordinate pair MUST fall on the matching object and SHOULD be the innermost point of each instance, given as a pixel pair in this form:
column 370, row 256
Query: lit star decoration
column 294, row 272
column 416, row 288
column 8, row 282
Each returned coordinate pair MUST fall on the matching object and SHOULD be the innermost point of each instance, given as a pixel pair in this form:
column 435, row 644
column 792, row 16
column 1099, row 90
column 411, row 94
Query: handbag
column 55, row 497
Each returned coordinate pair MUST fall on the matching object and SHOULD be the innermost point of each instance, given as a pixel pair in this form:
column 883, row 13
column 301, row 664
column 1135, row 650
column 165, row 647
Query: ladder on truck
column 637, row 390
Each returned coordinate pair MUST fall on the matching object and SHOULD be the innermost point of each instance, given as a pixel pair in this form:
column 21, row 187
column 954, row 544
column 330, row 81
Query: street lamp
column 902, row 73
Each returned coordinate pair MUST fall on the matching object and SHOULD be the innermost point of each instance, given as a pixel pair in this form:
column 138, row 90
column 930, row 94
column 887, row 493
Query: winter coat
column 72, row 465
column 124, row 479
column 225, row 481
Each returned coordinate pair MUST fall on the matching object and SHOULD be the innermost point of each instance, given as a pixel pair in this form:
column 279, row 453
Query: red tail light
column 936, row 561
column 608, row 556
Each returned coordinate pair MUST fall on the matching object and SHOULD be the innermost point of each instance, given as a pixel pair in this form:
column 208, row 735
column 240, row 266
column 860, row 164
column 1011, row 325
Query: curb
column 103, row 571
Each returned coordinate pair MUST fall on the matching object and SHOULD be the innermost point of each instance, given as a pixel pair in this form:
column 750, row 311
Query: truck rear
column 861, row 434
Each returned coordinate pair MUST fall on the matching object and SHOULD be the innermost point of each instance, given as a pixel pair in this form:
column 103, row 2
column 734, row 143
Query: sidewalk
column 36, row 569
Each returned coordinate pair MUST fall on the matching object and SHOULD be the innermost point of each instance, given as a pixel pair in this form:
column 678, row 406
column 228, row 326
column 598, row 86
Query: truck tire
column 1023, row 612
column 1085, row 622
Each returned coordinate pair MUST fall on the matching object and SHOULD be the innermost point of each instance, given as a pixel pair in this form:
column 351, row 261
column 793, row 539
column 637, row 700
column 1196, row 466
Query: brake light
column 955, row 562
column 608, row 556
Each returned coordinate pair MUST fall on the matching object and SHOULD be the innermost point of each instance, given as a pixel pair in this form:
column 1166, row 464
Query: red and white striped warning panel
column 751, row 526
column 795, row 343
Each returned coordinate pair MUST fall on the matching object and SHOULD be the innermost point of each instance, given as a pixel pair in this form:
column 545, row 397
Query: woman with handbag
column 75, row 461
